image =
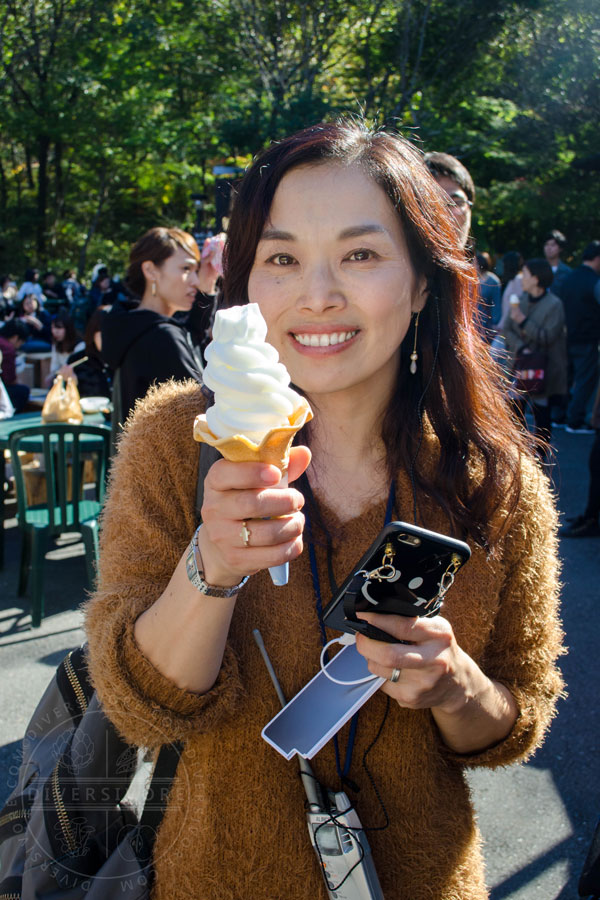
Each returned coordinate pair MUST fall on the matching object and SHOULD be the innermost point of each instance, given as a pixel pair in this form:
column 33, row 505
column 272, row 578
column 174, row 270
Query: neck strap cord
column 345, row 639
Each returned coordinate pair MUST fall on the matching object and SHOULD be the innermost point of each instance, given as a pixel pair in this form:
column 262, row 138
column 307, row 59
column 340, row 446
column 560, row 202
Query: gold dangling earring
column 414, row 355
column 154, row 289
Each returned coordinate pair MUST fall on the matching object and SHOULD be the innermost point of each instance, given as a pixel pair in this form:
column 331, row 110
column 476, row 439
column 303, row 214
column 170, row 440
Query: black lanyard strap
column 391, row 502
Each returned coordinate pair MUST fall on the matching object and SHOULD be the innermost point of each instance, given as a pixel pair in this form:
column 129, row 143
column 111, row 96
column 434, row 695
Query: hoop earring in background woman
column 341, row 236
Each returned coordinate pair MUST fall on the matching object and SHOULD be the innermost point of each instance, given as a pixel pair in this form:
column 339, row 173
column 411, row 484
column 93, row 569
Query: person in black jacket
column 7, row 309
column 145, row 345
column 580, row 293
column 92, row 377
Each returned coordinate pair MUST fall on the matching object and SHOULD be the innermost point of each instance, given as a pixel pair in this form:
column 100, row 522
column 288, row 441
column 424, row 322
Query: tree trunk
column 42, row 196
column 28, row 168
column 93, row 223
column 58, row 181
column 17, row 172
column 3, row 188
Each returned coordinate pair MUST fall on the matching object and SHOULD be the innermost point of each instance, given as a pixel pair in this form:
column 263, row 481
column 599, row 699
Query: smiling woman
column 346, row 243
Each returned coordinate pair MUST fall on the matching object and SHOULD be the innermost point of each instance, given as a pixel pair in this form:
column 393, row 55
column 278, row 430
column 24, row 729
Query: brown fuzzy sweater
column 235, row 825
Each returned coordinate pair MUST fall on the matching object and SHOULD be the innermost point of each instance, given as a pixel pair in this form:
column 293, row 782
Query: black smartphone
column 406, row 572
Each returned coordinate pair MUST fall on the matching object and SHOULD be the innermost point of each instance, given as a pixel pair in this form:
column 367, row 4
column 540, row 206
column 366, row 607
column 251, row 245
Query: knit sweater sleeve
column 527, row 637
column 147, row 523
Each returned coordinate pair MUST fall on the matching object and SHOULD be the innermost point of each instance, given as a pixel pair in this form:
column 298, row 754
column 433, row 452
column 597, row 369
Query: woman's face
column 176, row 280
column 334, row 281
column 58, row 332
column 29, row 304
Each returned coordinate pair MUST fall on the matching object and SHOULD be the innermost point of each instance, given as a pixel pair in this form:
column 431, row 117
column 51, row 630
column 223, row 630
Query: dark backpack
column 77, row 823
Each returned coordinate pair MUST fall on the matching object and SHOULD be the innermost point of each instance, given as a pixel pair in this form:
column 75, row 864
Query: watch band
column 196, row 575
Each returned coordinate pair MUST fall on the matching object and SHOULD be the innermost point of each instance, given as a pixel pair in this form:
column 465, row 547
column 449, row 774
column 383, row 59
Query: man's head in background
column 455, row 179
column 554, row 243
column 591, row 256
column 16, row 332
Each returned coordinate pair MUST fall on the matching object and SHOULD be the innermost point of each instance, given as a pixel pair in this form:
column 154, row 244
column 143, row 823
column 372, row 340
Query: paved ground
column 536, row 819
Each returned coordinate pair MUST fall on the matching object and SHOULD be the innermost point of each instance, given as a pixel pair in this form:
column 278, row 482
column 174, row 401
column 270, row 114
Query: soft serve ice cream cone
column 255, row 414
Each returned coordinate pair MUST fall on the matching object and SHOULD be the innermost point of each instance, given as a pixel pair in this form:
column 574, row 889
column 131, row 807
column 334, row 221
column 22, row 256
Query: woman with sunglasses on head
column 346, row 243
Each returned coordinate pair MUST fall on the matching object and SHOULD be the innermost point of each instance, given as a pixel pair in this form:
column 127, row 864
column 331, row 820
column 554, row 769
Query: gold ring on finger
column 245, row 534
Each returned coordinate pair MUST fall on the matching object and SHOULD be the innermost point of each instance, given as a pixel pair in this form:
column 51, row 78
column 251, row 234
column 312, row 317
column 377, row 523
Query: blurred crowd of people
column 546, row 305
column 548, row 310
column 118, row 337
column 59, row 319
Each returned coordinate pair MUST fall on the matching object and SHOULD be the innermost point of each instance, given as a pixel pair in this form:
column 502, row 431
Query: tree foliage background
column 114, row 112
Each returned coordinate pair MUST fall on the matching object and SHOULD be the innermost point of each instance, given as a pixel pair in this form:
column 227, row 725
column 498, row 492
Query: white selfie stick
column 280, row 574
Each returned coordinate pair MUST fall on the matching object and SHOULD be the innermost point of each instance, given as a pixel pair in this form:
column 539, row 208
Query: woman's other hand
column 238, row 492
column 471, row 711
column 211, row 265
column 207, row 277
column 433, row 667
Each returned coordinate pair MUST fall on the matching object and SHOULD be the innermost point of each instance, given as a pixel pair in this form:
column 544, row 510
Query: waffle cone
column 273, row 449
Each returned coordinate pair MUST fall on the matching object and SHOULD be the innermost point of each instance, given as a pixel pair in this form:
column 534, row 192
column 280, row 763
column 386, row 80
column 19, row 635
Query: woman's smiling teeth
column 324, row 340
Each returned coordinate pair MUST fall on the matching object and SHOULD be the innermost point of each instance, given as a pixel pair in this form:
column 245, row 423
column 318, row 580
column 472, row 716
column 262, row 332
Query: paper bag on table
column 62, row 403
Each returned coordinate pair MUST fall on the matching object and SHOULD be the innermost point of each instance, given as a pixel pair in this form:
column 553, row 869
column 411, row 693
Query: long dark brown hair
column 92, row 328
column 458, row 390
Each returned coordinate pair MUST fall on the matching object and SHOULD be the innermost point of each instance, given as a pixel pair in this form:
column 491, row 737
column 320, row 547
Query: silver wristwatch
column 196, row 575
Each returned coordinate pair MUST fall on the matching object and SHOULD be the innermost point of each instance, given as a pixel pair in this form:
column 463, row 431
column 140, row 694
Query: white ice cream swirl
column 249, row 383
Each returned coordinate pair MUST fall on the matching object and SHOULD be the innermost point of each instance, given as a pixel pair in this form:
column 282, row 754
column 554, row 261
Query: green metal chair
column 65, row 449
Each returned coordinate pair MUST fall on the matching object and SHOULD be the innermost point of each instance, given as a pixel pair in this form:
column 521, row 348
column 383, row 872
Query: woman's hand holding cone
column 238, row 492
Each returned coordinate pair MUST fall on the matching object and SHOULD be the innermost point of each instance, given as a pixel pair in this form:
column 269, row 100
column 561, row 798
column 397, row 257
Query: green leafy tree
column 115, row 112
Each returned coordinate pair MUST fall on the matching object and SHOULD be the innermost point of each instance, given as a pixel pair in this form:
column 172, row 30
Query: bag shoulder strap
column 156, row 800
column 117, row 410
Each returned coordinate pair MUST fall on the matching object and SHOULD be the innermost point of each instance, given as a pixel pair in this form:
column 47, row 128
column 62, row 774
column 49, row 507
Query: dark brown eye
column 282, row 259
